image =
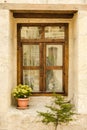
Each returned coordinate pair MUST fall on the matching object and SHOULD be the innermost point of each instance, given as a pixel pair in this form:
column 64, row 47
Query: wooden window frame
column 63, row 42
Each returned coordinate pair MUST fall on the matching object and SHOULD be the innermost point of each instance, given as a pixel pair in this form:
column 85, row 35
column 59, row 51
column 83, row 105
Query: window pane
column 54, row 55
column 55, row 32
column 31, row 78
column 30, row 55
column 54, row 81
column 31, row 32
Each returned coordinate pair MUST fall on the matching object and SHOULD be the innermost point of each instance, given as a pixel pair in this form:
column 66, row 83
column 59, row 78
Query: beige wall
column 5, row 60
column 82, row 61
column 46, row 1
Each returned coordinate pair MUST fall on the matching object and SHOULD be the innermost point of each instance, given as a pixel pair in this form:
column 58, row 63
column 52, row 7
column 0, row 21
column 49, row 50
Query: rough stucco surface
column 4, row 59
column 28, row 119
column 82, row 61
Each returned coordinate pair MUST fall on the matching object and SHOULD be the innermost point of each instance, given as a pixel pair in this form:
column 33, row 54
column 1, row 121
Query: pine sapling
column 61, row 111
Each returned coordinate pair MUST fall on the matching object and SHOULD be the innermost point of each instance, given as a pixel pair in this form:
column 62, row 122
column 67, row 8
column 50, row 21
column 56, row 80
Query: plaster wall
column 75, row 59
column 5, row 60
column 46, row 1
column 82, row 62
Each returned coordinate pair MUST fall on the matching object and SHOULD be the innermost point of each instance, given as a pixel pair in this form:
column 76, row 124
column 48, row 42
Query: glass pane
column 31, row 78
column 54, row 55
column 30, row 55
column 54, row 81
column 54, row 32
column 31, row 32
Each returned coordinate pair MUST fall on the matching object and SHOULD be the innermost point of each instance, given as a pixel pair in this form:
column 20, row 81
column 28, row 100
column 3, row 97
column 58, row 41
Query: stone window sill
column 35, row 104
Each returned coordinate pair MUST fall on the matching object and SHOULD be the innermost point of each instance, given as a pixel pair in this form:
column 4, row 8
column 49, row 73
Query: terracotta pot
column 23, row 102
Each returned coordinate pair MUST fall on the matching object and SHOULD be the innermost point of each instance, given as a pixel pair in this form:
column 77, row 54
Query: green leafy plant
column 61, row 111
column 22, row 91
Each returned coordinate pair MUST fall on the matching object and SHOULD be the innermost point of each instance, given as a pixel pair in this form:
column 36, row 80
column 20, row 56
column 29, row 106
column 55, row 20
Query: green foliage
column 22, row 91
column 61, row 111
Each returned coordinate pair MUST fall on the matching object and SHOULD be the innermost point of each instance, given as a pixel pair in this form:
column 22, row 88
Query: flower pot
column 22, row 103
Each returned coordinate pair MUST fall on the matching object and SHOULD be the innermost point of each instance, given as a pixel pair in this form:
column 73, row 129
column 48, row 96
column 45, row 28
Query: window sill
column 35, row 104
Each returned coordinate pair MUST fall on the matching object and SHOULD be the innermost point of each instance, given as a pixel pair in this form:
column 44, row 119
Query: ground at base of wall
column 29, row 120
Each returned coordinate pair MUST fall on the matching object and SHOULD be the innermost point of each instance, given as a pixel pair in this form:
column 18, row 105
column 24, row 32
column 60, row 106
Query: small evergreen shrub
column 61, row 111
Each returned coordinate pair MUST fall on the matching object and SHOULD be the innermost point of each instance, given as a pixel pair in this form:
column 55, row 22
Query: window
column 42, row 57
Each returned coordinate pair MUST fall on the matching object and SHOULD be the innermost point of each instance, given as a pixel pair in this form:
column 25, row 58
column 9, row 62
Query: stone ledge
column 28, row 119
column 36, row 103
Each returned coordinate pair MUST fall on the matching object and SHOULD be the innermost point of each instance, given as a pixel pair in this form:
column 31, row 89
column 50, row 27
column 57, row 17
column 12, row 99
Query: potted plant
column 22, row 94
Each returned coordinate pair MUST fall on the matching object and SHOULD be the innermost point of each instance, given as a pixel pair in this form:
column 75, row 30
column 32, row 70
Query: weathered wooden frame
column 63, row 42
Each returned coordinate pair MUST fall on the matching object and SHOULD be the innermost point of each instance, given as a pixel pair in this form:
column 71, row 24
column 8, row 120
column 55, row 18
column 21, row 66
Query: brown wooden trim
column 54, row 67
column 48, row 41
column 44, row 64
column 31, row 67
column 19, row 55
column 21, row 62
column 46, row 93
column 66, row 61
column 43, row 7
column 40, row 24
column 43, row 67
column 58, row 11
column 43, row 15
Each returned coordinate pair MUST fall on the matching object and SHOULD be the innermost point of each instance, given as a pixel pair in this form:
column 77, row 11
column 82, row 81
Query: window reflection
column 30, row 55
column 54, row 81
column 54, row 55
column 31, row 32
column 54, row 32
column 31, row 78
